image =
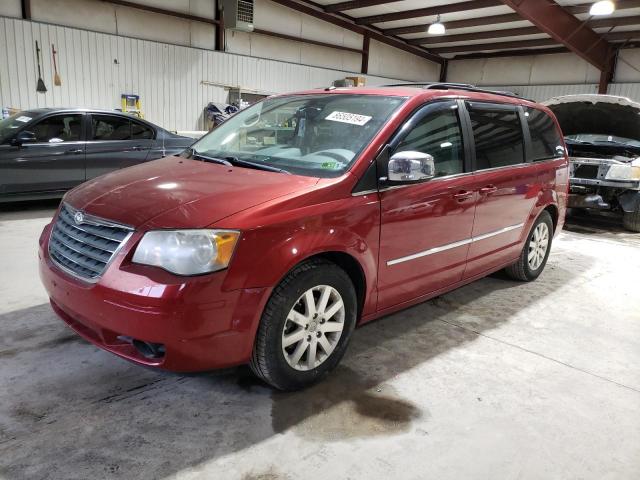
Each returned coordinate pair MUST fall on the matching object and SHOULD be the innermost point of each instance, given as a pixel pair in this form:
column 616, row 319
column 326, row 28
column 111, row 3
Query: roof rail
column 456, row 86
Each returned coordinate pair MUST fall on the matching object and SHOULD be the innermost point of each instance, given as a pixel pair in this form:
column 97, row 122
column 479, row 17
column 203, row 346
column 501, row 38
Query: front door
column 116, row 141
column 54, row 162
column 507, row 185
column 426, row 227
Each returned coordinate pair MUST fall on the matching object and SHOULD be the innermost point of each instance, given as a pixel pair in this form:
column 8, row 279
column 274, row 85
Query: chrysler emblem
column 78, row 218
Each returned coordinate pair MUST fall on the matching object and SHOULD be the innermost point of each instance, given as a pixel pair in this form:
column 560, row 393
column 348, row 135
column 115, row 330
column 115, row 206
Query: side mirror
column 23, row 137
column 411, row 167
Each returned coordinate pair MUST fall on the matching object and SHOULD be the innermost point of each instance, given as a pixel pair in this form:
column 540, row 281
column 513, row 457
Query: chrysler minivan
column 301, row 217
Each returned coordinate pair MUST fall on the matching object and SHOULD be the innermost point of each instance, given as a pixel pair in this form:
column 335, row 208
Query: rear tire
column 631, row 220
column 535, row 252
column 305, row 327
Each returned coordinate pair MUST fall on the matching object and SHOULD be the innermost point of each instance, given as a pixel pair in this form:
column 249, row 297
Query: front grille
column 586, row 171
column 84, row 249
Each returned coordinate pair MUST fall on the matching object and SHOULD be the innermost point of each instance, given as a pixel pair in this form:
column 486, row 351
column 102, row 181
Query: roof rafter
column 515, row 32
column 510, row 18
column 310, row 8
column 429, row 11
column 353, row 4
column 564, row 28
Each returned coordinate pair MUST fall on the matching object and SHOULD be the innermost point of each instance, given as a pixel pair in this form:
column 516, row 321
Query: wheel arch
column 555, row 214
column 352, row 268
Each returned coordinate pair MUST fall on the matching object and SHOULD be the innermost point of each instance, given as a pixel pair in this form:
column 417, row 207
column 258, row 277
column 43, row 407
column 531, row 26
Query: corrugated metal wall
column 544, row 92
column 631, row 90
column 97, row 68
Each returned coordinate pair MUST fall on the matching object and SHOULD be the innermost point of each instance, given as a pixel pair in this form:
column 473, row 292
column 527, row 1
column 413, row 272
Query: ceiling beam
column 584, row 7
column 427, row 12
column 470, row 22
column 292, row 38
column 565, row 29
column 464, row 37
column 162, row 11
column 511, row 53
column 343, row 21
column 514, row 17
column 543, row 42
column 516, row 32
column 353, row 4
column 514, row 44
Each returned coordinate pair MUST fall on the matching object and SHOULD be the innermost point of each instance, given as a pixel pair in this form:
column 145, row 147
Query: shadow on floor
column 69, row 410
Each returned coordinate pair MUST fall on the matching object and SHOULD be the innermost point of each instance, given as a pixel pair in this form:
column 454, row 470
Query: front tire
column 631, row 220
column 305, row 327
column 535, row 252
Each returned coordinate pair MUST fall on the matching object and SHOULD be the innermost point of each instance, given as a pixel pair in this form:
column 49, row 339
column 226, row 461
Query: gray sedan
column 47, row 151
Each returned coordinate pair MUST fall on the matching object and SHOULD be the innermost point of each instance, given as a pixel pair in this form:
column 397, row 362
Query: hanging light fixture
column 436, row 28
column 604, row 7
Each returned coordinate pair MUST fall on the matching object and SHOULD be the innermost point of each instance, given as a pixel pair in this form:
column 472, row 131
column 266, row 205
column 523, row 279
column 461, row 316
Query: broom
column 41, row 87
column 56, row 78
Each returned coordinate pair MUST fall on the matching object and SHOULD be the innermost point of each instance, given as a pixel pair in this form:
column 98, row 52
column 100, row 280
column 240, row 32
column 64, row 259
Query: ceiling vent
column 238, row 14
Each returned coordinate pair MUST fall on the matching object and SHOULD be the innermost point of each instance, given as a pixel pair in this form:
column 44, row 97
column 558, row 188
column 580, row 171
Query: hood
column 176, row 192
column 597, row 114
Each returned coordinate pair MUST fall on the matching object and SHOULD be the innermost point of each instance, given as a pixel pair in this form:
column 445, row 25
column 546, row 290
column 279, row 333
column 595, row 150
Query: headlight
column 624, row 172
column 187, row 252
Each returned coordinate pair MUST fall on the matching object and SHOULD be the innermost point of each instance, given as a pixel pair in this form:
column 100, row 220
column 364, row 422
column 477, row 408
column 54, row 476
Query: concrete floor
column 496, row 380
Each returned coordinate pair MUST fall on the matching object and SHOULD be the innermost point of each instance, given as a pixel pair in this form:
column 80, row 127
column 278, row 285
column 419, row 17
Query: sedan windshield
column 314, row 135
column 10, row 125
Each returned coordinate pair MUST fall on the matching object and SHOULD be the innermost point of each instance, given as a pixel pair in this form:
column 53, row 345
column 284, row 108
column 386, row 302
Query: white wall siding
column 561, row 68
column 541, row 93
column 169, row 78
column 106, row 17
column 630, row 90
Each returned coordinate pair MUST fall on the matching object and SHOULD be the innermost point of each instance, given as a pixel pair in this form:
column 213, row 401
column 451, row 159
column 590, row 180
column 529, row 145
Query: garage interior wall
column 105, row 50
column 540, row 77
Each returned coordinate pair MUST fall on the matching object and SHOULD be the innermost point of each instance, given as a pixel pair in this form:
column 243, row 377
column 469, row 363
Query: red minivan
column 301, row 217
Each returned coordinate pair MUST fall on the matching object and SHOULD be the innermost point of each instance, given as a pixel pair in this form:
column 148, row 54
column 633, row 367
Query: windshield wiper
column 259, row 166
column 198, row 156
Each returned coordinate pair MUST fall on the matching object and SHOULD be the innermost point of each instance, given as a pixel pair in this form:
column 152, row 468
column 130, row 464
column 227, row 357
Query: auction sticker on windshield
column 351, row 118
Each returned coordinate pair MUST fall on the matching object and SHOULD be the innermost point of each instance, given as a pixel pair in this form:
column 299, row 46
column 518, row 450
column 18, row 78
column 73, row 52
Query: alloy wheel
column 538, row 245
column 313, row 327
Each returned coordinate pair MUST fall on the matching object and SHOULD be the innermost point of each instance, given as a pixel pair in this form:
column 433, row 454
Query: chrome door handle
column 489, row 189
column 75, row 150
column 463, row 195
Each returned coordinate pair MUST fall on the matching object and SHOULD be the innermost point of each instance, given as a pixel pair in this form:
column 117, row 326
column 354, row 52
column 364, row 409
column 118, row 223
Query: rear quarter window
column 546, row 140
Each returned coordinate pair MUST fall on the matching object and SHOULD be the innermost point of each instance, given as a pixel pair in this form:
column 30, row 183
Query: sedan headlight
column 187, row 252
column 624, row 172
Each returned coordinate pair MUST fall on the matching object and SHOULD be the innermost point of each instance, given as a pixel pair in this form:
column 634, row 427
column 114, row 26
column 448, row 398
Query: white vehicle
column 602, row 133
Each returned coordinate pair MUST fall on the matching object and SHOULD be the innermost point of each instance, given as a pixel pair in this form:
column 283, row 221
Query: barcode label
column 351, row 118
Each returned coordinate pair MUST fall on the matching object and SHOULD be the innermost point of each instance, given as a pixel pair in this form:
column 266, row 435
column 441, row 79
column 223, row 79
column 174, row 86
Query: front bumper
column 200, row 324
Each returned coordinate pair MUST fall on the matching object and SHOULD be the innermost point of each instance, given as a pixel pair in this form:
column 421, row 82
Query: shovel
column 56, row 78
column 41, row 87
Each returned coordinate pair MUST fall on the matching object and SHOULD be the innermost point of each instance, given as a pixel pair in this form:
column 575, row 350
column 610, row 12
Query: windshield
column 314, row 135
column 10, row 125
column 597, row 138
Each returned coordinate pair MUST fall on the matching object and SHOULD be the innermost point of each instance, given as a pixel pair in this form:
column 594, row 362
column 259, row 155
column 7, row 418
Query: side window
column 140, row 131
column 58, row 128
column 498, row 137
column 546, row 141
column 438, row 134
column 110, row 127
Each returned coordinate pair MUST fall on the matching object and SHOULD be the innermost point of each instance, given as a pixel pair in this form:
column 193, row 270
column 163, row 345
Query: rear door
column 54, row 162
column 114, row 142
column 426, row 227
column 506, row 184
